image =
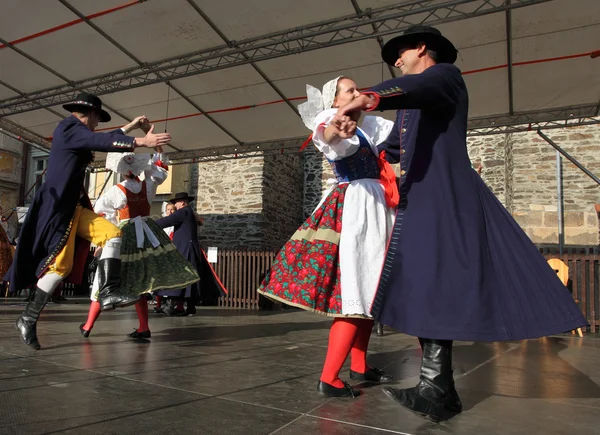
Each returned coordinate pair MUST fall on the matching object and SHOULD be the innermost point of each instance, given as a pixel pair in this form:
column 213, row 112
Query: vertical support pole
column 559, row 202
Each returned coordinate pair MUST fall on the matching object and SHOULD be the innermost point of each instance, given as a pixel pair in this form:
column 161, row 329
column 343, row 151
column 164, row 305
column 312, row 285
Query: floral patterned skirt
column 147, row 269
column 306, row 272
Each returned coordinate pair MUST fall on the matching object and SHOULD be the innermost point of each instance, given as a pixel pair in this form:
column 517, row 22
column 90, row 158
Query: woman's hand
column 341, row 126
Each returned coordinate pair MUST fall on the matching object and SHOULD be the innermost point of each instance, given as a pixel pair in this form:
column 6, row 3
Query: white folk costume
column 331, row 265
column 150, row 261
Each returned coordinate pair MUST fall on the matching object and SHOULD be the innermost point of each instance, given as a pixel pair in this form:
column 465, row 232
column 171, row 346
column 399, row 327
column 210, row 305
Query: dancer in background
column 60, row 223
column 331, row 265
column 167, row 210
column 185, row 222
column 150, row 261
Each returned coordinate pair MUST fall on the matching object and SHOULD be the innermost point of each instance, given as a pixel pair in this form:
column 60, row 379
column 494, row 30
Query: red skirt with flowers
column 306, row 272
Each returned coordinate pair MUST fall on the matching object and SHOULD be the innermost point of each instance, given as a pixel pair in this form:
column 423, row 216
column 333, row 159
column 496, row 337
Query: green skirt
column 148, row 269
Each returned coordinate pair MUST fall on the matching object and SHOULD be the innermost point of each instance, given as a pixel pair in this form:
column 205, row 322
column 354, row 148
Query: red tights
column 141, row 307
column 347, row 336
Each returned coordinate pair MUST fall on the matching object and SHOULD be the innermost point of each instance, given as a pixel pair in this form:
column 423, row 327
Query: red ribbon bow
column 387, row 176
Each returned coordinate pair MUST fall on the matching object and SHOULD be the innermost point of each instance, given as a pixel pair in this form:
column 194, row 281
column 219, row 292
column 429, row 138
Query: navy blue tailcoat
column 458, row 266
column 48, row 222
column 185, row 239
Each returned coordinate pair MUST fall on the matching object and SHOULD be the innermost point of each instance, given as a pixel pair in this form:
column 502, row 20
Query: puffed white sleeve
column 109, row 203
column 156, row 175
column 377, row 128
column 338, row 148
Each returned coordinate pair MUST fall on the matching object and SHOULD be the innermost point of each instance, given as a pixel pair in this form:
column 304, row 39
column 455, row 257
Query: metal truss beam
column 23, row 134
column 360, row 13
column 371, row 24
column 517, row 123
column 571, row 116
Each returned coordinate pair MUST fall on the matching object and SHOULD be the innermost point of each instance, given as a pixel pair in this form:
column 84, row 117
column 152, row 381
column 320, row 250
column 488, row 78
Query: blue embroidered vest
column 362, row 164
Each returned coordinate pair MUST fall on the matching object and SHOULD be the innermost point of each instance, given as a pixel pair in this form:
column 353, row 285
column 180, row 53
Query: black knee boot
column 453, row 403
column 26, row 323
column 432, row 394
column 109, row 278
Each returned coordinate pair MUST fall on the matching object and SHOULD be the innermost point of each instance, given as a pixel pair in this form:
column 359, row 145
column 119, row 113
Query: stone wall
column 520, row 169
column 283, row 195
column 229, row 197
column 494, row 152
column 253, row 203
column 313, row 179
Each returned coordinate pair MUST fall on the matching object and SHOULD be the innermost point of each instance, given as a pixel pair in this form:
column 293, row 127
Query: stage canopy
column 226, row 76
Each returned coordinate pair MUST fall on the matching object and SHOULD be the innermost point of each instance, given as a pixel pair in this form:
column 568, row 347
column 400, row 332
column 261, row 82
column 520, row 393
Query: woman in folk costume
column 331, row 265
column 150, row 261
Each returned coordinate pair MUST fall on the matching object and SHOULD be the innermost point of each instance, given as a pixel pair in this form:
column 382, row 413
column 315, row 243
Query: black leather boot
column 432, row 394
column 26, row 323
column 453, row 403
column 109, row 278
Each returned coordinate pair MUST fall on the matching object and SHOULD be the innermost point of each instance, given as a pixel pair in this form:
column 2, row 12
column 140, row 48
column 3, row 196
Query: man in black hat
column 60, row 223
column 458, row 266
column 185, row 238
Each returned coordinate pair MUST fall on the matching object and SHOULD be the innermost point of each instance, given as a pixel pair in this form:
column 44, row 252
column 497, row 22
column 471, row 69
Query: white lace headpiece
column 123, row 163
column 317, row 102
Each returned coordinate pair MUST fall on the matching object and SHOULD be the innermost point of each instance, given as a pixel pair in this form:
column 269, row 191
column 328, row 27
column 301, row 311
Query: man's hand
column 153, row 140
column 200, row 220
column 137, row 123
column 359, row 103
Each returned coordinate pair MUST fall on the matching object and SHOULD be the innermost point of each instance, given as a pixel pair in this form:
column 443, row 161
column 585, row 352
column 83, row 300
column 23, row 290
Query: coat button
column 402, row 172
column 402, row 151
column 404, row 130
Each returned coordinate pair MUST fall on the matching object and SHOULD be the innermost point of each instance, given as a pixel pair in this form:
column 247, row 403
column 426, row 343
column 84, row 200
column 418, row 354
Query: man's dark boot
column 453, row 403
column 26, row 323
column 109, row 278
column 432, row 394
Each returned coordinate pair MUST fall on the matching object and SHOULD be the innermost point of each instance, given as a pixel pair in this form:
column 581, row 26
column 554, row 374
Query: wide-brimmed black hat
column 87, row 101
column 181, row 196
column 432, row 38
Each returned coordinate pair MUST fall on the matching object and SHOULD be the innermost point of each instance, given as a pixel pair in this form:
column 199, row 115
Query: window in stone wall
column 37, row 173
